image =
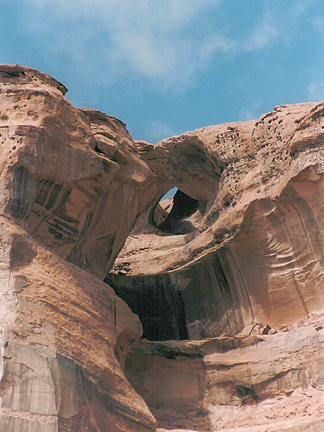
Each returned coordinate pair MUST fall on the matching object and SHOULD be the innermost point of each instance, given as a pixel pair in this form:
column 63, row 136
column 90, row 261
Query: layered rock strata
column 64, row 332
column 224, row 281
column 242, row 383
column 253, row 250
column 250, row 257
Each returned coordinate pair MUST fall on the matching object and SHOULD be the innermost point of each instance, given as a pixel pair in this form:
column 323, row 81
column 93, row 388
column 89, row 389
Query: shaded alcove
column 156, row 301
column 204, row 300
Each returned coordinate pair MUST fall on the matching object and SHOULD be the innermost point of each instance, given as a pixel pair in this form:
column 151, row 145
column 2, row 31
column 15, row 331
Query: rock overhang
column 251, row 236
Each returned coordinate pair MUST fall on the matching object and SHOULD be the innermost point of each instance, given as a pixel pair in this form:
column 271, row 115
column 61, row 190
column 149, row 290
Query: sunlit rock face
column 234, row 384
column 65, row 170
column 72, row 184
column 248, row 259
column 121, row 313
column 251, row 250
column 64, row 338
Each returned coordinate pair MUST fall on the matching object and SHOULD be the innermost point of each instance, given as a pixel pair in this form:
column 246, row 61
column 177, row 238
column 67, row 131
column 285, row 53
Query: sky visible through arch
column 168, row 66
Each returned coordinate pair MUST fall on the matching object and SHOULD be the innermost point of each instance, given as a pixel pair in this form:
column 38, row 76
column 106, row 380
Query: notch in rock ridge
column 169, row 216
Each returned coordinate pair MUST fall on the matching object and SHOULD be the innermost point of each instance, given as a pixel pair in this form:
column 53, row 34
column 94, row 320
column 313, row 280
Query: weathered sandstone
column 259, row 383
column 61, row 328
column 224, row 282
column 64, row 333
column 254, row 246
column 247, row 259
column 65, row 170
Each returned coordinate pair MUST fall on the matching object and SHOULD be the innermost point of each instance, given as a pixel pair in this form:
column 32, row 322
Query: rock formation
column 243, row 258
column 124, row 313
column 72, row 184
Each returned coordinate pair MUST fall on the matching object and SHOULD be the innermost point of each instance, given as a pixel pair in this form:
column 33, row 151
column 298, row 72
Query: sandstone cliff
column 239, row 254
column 224, row 281
column 72, row 184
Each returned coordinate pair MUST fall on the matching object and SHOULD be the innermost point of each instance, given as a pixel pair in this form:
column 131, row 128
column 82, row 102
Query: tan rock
column 234, row 384
column 226, row 277
column 64, row 334
column 252, row 252
column 60, row 330
column 64, row 170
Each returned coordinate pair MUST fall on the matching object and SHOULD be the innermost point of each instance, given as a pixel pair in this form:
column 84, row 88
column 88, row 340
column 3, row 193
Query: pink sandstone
column 122, row 313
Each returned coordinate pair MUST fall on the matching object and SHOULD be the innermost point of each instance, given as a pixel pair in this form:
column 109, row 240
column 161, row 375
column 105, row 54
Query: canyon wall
column 121, row 312
column 253, row 250
column 237, row 253
column 64, row 332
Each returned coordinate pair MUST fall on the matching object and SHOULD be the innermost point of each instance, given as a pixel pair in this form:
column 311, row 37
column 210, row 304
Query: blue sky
column 168, row 66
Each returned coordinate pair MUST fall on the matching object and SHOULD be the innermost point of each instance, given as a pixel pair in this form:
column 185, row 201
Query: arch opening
column 172, row 215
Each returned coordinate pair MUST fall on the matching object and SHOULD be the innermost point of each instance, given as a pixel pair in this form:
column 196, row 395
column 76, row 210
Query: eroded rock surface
column 224, row 281
column 254, row 246
column 65, row 170
column 241, row 383
column 249, row 259
column 65, row 334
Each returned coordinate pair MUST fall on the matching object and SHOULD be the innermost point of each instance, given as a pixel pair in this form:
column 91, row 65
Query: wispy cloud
column 158, row 130
column 263, row 34
column 316, row 91
column 157, row 40
column 247, row 114
column 316, row 82
column 167, row 41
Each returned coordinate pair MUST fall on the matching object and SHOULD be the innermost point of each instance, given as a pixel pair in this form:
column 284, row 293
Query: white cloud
column 153, row 39
column 247, row 114
column 316, row 91
column 158, row 130
column 166, row 41
column 263, row 34
column 316, row 84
